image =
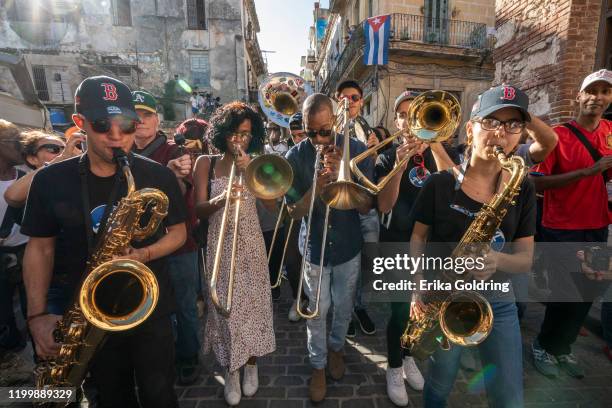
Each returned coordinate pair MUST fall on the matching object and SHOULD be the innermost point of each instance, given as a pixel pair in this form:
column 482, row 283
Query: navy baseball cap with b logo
column 500, row 97
column 101, row 97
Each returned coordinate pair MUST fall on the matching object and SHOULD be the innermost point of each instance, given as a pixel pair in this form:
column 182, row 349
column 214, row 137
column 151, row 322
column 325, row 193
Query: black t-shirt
column 401, row 222
column 449, row 212
column 55, row 209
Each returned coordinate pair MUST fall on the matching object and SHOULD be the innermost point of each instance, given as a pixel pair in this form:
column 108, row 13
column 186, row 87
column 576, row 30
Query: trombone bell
column 433, row 116
column 269, row 176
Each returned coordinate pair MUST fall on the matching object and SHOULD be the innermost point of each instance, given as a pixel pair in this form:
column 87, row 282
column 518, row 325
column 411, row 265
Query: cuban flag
column 376, row 31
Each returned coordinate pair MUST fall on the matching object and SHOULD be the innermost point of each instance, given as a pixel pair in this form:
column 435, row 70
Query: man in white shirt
column 275, row 145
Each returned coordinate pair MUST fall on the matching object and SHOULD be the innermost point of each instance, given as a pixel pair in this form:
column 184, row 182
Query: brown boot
column 318, row 388
column 335, row 362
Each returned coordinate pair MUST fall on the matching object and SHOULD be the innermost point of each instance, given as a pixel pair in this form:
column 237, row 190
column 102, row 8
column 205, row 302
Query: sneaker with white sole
column 250, row 381
column 231, row 391
column 544, row 362
column 396, row 389
column 293, row 314
column 569, row 364
column 412, row 374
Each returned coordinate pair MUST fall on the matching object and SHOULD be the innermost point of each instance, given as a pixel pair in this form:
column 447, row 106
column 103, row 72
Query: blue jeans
column 184, row 275
column 370, row 229
column 502, row 361
column 337, row 287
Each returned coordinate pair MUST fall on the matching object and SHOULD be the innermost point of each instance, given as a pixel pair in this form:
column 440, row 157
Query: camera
column 597, row 257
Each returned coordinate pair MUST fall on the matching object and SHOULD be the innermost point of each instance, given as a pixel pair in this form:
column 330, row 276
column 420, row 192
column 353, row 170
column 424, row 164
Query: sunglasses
column 322, row 132
column 104, row 125
column 354, row 98
column 51, row 148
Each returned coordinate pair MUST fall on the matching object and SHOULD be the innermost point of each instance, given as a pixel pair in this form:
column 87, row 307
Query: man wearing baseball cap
column 575, row 209
column 151, row 142
column 296, row 128
column 67, row 208
column 395, row 202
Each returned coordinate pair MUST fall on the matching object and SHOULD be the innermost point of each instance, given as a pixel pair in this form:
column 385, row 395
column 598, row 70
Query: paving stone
column 285, row 374
column 289, row 380
column 286, row 403
column 357, row 403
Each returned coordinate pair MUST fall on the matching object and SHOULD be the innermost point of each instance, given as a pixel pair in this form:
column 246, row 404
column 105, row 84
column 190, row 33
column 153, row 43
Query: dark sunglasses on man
column 322, row 132
column 51, row 148
column 126, row 125
column 354, row 98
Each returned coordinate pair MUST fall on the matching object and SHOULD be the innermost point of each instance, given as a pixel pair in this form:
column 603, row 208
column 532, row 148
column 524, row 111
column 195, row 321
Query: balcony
column 416, row 35
column 466, row 36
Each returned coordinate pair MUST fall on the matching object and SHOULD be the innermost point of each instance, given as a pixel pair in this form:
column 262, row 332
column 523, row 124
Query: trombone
column 342, row 194
column 267, row 177
column 433, row 116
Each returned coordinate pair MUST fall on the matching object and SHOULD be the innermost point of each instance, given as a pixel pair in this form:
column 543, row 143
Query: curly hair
column 228, row 118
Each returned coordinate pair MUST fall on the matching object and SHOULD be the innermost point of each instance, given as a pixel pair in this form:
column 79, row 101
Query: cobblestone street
column 284, row 375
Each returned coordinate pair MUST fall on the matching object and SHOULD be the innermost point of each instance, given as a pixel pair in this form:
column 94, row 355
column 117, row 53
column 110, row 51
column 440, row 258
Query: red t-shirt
column 583, row 204
column 163, row 154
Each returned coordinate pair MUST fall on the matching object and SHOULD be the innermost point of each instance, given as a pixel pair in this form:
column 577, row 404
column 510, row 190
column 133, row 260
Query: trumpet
column 433, row 116
column 267, row 177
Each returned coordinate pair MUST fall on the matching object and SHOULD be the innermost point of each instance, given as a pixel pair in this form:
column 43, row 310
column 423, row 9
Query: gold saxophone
column 465, row 318
column 115, row 295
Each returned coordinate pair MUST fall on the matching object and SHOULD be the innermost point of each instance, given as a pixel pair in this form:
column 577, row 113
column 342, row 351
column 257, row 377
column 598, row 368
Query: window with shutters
column 40, row 82
column 196, row 16
column 122, row 12
column 200, row 70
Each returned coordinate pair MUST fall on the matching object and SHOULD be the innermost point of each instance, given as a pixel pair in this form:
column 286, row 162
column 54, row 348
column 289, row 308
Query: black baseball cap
column 101, row 97
column 500, row 97
column 295, row 122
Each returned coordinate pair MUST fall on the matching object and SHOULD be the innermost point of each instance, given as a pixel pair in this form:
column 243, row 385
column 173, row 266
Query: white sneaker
column 231, row 390
column 293, row 314
column 412, row 374
column 396, row 390
column 250, row 380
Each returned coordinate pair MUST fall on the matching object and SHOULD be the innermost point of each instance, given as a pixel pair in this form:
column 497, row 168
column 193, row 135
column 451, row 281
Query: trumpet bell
column 268, row 176
column 344, row 195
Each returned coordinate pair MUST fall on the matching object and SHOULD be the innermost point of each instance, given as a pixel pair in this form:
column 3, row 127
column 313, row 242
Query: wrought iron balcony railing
column 412, row 28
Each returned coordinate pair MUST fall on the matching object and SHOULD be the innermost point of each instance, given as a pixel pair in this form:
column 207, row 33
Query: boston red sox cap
column 100, row 97
column 499, row 97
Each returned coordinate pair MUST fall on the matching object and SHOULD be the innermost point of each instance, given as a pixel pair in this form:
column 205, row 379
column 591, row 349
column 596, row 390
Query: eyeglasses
column 511, row 126
column 51, row 148
column 104, row 125
column 241, row 135
column 354, row 98
column 322, row 132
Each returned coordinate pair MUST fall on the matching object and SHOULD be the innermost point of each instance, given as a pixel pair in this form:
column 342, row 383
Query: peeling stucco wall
column 158, row 42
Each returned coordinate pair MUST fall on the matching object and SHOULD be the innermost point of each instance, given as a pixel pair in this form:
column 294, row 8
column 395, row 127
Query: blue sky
column 284, row 28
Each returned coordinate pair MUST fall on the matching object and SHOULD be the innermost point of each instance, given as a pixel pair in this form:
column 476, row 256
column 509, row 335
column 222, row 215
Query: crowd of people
column 59, row 192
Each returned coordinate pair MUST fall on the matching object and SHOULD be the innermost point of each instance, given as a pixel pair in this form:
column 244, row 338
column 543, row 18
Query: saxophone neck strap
column 91, row 239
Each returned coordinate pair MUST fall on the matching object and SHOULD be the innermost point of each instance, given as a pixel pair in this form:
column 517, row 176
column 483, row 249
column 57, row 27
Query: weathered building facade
column 150, row 44
column 547, row 47
column 434, row 44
